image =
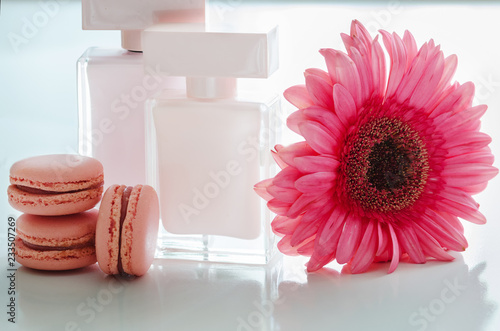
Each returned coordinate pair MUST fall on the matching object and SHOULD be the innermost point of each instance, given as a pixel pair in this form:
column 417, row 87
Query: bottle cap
column 132, row 16
column 189, row 50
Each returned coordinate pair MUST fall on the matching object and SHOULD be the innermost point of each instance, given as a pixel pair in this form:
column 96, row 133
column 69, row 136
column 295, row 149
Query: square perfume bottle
column 113, row 85
column 210, row 146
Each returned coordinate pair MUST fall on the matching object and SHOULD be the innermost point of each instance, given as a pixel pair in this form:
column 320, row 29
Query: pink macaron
column 56, row 242
column 127, row 229
column 59, row 184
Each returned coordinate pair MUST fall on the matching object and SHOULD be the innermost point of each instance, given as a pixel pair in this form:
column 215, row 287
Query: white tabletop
column 38, row 115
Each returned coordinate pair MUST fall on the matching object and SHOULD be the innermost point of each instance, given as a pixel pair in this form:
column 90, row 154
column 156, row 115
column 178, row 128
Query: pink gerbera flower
column 388, row 166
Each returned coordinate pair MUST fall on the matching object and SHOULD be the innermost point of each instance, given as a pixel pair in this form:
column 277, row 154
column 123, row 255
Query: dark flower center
column 389, row 165
column 386, row 165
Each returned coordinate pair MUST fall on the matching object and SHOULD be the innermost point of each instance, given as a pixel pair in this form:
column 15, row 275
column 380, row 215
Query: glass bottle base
column 211, row 248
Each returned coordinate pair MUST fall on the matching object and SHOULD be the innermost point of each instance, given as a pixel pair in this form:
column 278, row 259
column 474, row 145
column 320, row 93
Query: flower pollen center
column 386, row 165
column 389, row 165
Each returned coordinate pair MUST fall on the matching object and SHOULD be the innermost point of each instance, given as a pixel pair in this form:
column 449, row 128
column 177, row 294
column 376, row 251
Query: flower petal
column 468, row 119
column 460, row 175
column 261, row 189
column 469, row 140
column 345, row 108
column 318, row 137
column 329, row 120
column 298, row 96
column 379, row 70
column 383, row 239
column 450, row 66
column 431, row 246
column 295, row 118
column 454, row 224
column 326, row 243
column 397, row 52
column 410, row 80
column 277, row 159
column 360, row 34
column 466, row 209
column 284, row 225
column 440, row 229
column 284, row 194
column 319, row 91
column 278, row 207
column 343, row 70
column 367, row 249
column 318, row 182
column 361, row 62
column 307, row 247
column 427, row 85
column 410, row 243
column 410, row 46
column 320, row 74
column 311, row 164
column 286, row 178
column 289, row 153
column 349, row 239
column 481, row 156
column 308, row 228
column 332, row 230
column 299, row 206
column 313, row 204
column 395, row 250
column 458, row 100
column 285, row 247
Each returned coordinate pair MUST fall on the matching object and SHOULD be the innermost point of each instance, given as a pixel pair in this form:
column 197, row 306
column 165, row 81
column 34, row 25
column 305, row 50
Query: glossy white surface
column 38, row 116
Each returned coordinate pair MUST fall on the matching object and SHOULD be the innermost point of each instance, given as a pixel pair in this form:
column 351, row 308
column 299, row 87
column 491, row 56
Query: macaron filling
column 123, row 213
column 33, row 190
column 56, row 248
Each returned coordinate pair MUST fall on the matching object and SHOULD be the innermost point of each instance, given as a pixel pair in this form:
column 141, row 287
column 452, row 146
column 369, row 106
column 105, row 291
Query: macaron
column 56, row 242
column 59, row 184
column 127, row 229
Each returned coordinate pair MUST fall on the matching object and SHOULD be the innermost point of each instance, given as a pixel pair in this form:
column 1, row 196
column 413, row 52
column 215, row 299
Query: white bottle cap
column 132, row 16
column 189, row 51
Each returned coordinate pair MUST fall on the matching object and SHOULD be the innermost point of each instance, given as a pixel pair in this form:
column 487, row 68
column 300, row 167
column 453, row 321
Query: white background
column 38, row 116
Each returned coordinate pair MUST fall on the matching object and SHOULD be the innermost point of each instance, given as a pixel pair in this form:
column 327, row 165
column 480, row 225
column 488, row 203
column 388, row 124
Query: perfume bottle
column 113, row 85
column 209, row 147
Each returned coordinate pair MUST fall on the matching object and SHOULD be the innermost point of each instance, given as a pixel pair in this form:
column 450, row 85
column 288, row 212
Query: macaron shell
column 53, row 204
column 57, row 172
column 58, row 231
column 108, row 230
column 54, row 260
column 140, row 231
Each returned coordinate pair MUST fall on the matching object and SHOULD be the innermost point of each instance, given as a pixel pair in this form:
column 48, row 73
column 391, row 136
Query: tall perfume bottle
column 113, row 85
column 210, row 146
